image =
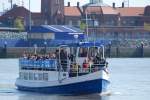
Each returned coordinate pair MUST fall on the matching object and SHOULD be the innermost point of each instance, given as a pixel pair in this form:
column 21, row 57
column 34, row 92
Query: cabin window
column 31, row 76
column 92, row 51
column 70, row 22
column 57, row 1
column 45, row 76
column 40, row 76
column 25, row 76
column 35, row 76
column 83, row 52
column 21, row 75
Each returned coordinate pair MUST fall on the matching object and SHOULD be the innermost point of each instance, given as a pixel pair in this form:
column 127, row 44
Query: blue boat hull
column 86, row 87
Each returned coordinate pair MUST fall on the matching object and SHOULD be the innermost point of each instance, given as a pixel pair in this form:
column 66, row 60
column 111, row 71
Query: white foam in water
column 117, row 93
column 108, row 93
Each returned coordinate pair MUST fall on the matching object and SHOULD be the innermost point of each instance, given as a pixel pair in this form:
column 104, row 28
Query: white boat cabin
column 67, row 61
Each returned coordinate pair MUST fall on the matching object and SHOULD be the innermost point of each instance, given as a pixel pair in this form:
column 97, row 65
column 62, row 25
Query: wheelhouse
column 67, row 61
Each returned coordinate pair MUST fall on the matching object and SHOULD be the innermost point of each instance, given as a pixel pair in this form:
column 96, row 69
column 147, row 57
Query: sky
column 35, row 4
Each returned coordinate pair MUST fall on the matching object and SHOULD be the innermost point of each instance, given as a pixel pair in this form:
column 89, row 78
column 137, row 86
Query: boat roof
column 88, row 44
column 55, row 29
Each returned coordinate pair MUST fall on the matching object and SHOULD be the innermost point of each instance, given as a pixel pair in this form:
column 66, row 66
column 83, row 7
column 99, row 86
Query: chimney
column 113, row 5
column 68, row 4
column 122, row 4
column 78, row 4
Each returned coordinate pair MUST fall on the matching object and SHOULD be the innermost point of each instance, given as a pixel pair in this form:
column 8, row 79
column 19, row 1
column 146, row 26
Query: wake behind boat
column 78, row 68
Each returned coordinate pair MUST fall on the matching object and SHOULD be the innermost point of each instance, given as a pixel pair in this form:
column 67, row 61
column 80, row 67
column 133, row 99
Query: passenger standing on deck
column 57, row 54
column 63, row 58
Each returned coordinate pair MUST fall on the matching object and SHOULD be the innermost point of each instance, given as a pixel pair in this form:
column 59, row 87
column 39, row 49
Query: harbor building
column 126, row 27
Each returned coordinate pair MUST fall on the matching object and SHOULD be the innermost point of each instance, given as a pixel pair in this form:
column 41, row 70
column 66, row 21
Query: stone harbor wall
column 112, row 52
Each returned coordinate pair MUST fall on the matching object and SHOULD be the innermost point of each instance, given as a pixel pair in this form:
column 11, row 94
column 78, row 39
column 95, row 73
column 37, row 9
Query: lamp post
column 142, row 49
column 93, row 25
column 5, row 48
column 5, row 44
column 76, row 36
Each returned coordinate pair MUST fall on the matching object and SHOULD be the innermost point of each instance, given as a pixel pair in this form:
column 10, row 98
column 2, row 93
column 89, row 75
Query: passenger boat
column 78, row 68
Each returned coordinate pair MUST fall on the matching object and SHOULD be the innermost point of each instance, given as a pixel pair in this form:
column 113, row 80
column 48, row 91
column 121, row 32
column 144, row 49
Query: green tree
column 18, row 24
column 82, row 25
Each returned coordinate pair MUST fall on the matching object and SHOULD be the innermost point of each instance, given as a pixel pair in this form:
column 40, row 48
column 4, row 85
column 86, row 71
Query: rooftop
column 55, row 28
column 72, row 11
column 131, row 11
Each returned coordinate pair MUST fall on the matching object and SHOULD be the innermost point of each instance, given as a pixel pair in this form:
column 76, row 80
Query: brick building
column 103, row 20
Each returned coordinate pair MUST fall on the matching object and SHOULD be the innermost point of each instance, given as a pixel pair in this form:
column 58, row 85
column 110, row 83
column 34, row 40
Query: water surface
column 130, row 80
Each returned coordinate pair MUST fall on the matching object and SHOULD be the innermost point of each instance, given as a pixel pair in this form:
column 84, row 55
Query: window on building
column 57, row 2
column 48, row 36
column 32, row 22
column 124, row 22
column 79, row 22
column 70, row 22
column 96, row 23
column 45, row 22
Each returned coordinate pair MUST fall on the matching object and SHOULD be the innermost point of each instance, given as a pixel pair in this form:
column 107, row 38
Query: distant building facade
column 104, row 21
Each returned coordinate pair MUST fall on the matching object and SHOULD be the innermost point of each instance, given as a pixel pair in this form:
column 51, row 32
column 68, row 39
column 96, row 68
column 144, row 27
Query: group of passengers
column 39, row 57
column 55, row 55
column 90, row 64
column 62, row 58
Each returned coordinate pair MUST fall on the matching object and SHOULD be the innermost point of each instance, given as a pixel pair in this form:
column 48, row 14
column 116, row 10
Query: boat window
column 31, row 76
column 83, row 52
column 92, row 51
column 45, row 76
column 21, row 75
column 40, row 76
column 25, row 76
column 35, row 76
column 73, row 50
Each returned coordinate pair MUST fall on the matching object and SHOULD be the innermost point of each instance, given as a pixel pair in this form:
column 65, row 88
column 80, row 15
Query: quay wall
column 113, row 52
column 128, row 52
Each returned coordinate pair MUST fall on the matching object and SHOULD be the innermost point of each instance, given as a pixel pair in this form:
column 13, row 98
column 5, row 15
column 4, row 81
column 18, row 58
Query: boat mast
column 29, row 15
column 87, row 31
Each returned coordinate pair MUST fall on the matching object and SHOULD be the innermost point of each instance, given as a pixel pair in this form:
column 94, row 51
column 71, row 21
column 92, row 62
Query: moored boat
column 78, row 68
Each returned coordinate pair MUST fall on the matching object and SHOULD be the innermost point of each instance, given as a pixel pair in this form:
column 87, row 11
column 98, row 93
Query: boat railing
column 50, row 64
column 64, row 65
column 78, row 70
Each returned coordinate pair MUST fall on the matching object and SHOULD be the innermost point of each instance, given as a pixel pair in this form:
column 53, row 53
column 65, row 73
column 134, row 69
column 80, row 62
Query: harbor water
column 129, row 77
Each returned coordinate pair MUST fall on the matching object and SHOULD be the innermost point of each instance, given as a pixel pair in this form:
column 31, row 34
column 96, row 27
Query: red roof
column 72, row 11
column 109, row 10
column 131, row 11
column 16, row 11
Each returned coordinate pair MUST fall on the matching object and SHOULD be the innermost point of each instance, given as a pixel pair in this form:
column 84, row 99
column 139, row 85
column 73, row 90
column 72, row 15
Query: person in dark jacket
column 63, row 58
